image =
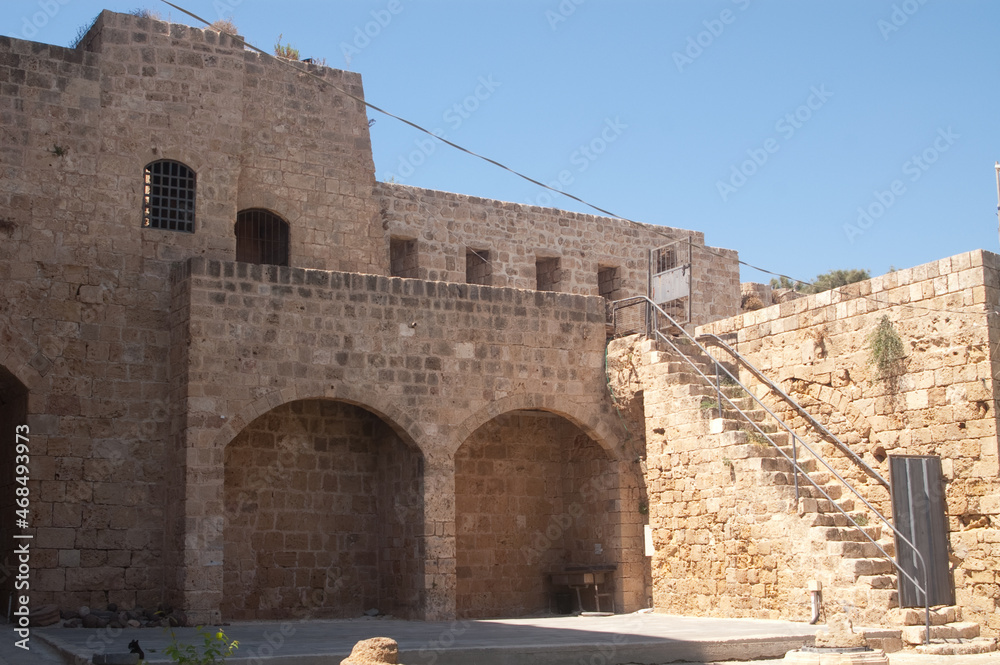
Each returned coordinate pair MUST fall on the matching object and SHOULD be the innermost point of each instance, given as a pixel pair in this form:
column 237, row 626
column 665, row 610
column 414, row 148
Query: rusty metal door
column 918, row 511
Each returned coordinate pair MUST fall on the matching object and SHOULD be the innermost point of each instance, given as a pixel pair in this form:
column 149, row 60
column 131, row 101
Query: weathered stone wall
column 130, row 404
column 447, row 359
column 516, row 237
column 938, row 400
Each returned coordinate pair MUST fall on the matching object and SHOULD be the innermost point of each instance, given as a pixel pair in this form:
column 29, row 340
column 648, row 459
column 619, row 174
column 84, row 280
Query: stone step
column 851, row 549
column 866, row 567
column 844, row 533
column 961, row 630
column 914, row 616
column 810, row 505
column 959, row 647
column 826, row 519
column 878, row 581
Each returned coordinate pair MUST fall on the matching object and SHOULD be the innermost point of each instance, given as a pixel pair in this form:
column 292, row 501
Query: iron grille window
column 168, row 199
column 261, row 237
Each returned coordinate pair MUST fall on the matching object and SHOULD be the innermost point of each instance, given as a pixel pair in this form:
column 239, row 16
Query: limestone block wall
column 940, row 399
column 126, row 403
column 434, row 361
column 516, row 238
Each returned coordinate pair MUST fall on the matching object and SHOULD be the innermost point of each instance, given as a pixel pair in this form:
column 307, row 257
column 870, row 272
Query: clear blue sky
column 765, row 124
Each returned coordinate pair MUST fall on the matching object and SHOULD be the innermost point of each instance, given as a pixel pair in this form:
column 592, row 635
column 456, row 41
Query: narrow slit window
column 168, row 196
column 261, row 237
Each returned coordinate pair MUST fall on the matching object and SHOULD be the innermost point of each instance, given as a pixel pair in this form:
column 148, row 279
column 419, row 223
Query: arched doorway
column 324, row 516
column 261, row 237
column 534, row 495
column 13, row 415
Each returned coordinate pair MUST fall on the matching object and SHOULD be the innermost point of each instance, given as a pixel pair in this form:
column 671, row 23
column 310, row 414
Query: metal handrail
column 771, row 385
column 652, row 328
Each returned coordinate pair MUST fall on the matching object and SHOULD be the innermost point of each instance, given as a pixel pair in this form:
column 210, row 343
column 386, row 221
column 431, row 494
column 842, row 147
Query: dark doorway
column 918, row 511
column 13, row 421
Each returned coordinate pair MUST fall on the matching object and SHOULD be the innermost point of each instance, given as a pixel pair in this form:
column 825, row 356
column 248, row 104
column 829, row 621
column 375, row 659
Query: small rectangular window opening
column 478, row 269
column 547, row 274
column 609, row 284
column 403, row 257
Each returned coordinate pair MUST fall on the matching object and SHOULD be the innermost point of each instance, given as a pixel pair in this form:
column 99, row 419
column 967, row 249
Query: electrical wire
column 647, row 227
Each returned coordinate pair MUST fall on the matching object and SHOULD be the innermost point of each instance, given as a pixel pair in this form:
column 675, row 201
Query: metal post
column 718, row 389
column 795, row 469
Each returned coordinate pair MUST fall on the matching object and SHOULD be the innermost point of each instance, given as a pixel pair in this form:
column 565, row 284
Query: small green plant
column 861, row 520
column 885, row 348
column 59, row 151
column 756, row 438
column 727, row 462
column 707, row 404
column 216, row 647
column 285, row 50
column 643, row 508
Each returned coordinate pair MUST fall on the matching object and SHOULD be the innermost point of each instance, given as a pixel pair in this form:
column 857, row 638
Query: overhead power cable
column 647, row 227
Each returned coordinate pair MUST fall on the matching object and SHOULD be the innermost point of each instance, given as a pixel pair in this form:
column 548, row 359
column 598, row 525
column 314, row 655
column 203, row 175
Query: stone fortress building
column 261, row 384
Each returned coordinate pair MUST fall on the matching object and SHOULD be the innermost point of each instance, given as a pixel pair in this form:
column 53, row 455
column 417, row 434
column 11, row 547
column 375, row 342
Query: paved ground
column 648, row 638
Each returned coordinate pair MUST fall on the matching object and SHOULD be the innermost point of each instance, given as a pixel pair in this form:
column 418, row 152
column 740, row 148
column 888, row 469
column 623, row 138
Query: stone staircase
column 859, row 577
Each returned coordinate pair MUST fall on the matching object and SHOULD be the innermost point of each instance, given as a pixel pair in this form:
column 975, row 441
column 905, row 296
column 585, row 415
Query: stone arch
column 323, row 514
column 584, row 416
column 265, row 199
column 401, row 422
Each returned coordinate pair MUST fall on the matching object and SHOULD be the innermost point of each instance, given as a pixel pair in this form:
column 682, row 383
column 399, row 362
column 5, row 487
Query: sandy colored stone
column 374, row 651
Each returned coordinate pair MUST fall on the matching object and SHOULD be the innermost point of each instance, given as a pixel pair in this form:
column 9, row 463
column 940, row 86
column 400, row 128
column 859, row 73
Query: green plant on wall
column 285, row 50
column 885, row 348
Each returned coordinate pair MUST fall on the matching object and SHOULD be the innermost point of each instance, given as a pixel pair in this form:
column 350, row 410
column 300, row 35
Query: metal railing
column 653, row 315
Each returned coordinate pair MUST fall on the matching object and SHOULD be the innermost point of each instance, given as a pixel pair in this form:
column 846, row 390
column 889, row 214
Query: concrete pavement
column 619, row 639
column 646, row 638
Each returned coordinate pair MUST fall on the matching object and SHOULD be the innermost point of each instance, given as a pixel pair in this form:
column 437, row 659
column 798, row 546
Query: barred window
column 261, row 237
column 168, row 198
